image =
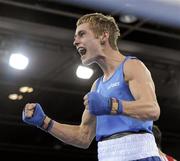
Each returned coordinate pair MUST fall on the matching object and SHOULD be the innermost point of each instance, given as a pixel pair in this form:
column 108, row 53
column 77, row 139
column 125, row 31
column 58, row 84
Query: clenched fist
column 33, row 114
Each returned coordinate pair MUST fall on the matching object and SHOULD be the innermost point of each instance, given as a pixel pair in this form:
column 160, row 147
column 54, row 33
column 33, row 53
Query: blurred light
column 18, row 61
column 20, row 97
column 15, row 97
column 84, row 72
column 26, row 89
column 160, row 11
column 128, row 18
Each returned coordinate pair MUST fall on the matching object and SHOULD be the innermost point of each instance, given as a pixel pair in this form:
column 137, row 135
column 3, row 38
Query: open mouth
column 81, row 51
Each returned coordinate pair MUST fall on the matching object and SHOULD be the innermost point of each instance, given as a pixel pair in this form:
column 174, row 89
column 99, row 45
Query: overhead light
column 18, row 61
column 84, row 72
column 26, row 89
column 128, row 18
column 15, row 96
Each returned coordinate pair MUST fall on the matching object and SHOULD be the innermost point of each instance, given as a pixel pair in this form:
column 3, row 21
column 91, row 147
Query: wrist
column 116, row 106
column 47, row 124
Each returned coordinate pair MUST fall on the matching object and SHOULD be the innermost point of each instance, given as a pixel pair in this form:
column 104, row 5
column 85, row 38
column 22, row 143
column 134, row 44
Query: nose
column 76, row 42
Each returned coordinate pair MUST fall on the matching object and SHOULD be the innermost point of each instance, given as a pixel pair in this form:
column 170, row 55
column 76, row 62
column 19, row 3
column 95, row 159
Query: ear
column 104, row 37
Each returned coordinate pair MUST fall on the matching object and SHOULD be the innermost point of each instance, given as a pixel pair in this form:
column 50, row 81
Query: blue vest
column 110, row 124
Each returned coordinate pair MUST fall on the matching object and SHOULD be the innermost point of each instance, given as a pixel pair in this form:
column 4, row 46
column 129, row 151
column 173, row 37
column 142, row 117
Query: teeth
column 81, row 50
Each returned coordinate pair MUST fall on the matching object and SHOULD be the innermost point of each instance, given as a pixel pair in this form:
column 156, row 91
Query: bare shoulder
column 134, row 68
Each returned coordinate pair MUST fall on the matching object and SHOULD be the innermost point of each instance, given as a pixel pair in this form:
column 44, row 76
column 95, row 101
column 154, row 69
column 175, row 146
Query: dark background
column 44, row 31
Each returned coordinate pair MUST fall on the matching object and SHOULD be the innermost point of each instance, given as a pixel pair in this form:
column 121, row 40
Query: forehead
column 82, row 27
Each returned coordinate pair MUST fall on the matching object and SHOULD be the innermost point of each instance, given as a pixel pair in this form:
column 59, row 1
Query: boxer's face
column 87, row 45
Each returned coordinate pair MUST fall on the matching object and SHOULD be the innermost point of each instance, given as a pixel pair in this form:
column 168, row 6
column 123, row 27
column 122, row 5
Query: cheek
column 94, row 45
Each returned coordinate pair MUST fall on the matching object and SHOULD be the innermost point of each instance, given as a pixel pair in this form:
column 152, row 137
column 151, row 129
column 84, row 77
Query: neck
column 110, row 62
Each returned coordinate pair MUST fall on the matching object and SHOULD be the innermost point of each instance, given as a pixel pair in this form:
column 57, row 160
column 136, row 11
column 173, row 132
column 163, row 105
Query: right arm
column 77, row 135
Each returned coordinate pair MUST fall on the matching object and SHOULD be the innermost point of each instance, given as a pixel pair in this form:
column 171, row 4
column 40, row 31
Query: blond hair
column 99, row 24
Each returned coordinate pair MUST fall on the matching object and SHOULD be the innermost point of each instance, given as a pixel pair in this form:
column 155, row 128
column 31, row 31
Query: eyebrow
column 78, row 33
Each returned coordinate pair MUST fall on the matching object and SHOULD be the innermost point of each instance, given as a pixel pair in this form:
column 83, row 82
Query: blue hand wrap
column 100, row 105
column 38, row 117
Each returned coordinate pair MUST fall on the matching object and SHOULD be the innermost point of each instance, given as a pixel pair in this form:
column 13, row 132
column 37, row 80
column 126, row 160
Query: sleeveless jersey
column 116, row 87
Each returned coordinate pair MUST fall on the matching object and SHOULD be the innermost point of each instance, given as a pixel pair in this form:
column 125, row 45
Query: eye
column 81, row 34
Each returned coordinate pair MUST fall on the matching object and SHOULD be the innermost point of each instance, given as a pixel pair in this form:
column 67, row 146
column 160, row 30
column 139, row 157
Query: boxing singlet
column 116, row 87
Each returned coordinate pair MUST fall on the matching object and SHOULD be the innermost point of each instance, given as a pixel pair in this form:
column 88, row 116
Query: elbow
column 80, row 144
column 85, row 144
column 86, row 141
column 151, row 111
column 86, row 137
column 155, row 111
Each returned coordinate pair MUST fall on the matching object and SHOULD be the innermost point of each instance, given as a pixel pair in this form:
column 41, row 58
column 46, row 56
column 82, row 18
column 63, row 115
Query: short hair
column 100, row 23
column 158, row 135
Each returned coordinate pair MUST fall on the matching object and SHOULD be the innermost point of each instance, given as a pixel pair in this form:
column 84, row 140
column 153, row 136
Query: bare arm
column 77, row 135
column 141, row 85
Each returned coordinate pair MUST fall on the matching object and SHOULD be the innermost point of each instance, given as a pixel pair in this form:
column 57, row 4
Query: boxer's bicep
column 140, row 82
column 145, row 105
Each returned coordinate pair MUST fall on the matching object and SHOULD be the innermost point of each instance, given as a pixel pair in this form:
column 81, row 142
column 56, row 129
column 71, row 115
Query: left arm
column 145, row 105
